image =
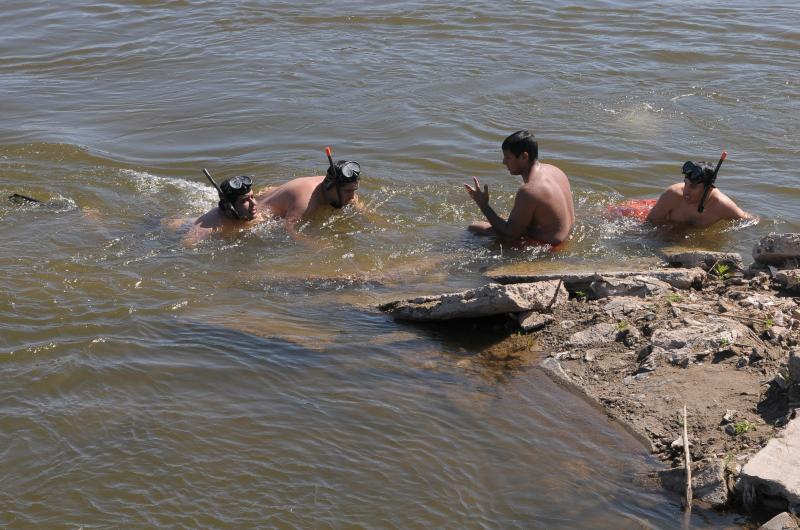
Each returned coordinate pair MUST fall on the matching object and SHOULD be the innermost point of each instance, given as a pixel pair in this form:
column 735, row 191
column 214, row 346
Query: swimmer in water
column 300, row 198
column 696, row 202
column 543, row 210
column 235, row 211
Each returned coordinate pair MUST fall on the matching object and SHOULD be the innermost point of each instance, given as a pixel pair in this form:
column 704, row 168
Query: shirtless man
column 235, row 211
column 680, row 203
column 542, row 211
column 301, row 197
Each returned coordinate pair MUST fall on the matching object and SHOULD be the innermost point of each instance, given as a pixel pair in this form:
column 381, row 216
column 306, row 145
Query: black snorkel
column 332, row 170
column 18, row 198
column 710, row 182
column 225, row 204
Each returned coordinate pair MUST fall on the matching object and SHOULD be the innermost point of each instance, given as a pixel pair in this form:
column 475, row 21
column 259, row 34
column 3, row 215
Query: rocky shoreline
column 722, row 340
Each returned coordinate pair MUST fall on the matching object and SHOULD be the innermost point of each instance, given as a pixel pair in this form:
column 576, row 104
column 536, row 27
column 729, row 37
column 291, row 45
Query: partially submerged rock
column 774, row 472
column 489, row 300
column 777, row 249
column 704, row 259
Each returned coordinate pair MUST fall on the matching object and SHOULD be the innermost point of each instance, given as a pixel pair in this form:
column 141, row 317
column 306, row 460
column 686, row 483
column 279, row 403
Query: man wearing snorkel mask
column 236, row 210
column 300, row 198
column 696, row 201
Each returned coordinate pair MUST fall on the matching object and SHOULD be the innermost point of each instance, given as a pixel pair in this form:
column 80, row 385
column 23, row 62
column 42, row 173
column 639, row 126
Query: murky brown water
column 249, row 382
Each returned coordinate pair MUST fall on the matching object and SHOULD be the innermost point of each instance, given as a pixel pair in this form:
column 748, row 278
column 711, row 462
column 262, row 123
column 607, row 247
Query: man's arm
column 727, row 209
column 519, row 218
column 664, row 205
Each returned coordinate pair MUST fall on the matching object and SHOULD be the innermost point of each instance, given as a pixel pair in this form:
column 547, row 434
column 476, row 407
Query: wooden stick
column 688, row 499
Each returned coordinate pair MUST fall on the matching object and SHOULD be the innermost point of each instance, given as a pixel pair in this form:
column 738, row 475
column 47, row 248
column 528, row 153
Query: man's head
column 696, row 177
column 343, row 176
column 519, row 151
column 236, row 200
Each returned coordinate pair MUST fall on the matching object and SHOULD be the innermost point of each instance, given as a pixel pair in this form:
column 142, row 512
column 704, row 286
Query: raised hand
column 481, row 197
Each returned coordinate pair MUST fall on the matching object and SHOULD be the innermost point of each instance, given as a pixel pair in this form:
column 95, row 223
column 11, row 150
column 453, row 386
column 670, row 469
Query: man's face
column 245, row 206
column 347, row 193
column 514, row 164
column 692, row 192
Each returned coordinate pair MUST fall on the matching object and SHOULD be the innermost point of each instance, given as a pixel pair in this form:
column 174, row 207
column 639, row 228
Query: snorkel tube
column 710, row 182
column 335, row 174
column 224, row 204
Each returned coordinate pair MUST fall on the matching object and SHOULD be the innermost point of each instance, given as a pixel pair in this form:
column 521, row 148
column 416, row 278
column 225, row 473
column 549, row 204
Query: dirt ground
column 729, row 387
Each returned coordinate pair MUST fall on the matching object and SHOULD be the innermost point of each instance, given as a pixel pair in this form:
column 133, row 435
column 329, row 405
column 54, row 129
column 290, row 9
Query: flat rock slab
column 641, row 286
column 704, row 259
column 777, row 249
column 775, row 470
column 581, row 281
column 489, row 300
column 621, row 306
column 597, row 334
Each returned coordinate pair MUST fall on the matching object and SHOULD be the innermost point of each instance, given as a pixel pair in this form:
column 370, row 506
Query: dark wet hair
column 234, row 187
column 699, row 172
column 522, row 142
column 341, row 173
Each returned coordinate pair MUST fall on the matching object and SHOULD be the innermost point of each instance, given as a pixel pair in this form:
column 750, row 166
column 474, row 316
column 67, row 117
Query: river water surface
column 249, row 382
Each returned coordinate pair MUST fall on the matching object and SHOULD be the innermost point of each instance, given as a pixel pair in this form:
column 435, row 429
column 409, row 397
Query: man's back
column 549, row 196
column 292, row 199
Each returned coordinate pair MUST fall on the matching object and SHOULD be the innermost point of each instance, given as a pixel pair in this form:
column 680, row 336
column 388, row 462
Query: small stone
column 730, row 429
column 741, row 363
column 728, row 417
column 588, row 357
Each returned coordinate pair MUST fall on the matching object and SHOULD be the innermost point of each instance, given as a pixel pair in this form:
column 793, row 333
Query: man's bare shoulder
column 210, row 219
column 673, row 192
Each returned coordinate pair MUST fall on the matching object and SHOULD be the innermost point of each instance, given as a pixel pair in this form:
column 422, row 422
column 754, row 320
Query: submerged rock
column 489, row 300
column 777, row 249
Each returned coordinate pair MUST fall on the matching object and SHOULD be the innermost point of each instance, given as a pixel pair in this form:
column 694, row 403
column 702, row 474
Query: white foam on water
column 198, row 196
